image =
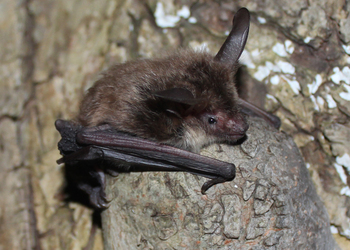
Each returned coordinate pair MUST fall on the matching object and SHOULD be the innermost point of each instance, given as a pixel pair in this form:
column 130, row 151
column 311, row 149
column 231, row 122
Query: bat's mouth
column 235, row 137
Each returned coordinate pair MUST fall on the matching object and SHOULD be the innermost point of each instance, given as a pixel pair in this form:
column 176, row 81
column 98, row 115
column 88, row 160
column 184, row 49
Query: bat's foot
column 97, row 196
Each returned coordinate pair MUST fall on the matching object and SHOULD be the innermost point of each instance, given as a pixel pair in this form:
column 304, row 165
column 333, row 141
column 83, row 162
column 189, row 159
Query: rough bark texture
column 52, row 51
column 271, row 204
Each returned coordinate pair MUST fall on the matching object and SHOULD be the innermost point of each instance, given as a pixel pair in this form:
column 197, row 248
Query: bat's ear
column 179, row 101
column 179, row 95
column 232, row 48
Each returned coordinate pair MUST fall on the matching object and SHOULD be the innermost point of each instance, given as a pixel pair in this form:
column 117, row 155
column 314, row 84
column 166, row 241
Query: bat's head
column 223, row 126
column 210, row 110
column 205, row 115
column 213, row 127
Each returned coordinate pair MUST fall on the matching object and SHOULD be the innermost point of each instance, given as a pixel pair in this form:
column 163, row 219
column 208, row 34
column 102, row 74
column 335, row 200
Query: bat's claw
column 112, row 172
column 98, row 198
column 101, row 201
column 211, row 183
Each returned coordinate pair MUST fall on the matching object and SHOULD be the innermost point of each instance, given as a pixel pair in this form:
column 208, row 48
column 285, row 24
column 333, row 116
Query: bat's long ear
column 179, row 95
column 179, row 101
column 232, row 48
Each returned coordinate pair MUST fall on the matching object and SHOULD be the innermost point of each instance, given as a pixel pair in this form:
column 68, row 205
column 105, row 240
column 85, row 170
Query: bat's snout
column 237, row 127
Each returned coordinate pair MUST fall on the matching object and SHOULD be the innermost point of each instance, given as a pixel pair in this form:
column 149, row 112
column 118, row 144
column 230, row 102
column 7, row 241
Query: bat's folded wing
column 104, row 143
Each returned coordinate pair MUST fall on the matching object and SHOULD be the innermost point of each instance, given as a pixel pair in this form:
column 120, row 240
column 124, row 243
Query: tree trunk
column 271, row 204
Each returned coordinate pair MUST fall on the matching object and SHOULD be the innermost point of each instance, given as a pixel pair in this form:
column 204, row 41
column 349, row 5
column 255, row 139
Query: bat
column 156, row 115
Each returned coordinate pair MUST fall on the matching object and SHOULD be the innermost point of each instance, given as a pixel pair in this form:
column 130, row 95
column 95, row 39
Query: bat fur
column 125, row 98
column 149, row 114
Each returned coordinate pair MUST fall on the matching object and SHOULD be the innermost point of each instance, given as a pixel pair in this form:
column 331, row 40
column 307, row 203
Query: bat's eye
column 212, row 120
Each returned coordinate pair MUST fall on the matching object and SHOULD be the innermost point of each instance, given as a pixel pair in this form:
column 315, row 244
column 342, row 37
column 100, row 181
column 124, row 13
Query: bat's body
column 137, row 112
column 147, row 98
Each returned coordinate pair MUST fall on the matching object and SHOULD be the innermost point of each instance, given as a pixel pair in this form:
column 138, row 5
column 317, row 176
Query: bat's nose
column 243, row 127
column 238, row 125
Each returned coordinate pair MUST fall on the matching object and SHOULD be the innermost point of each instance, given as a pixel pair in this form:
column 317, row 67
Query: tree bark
column 271, row 204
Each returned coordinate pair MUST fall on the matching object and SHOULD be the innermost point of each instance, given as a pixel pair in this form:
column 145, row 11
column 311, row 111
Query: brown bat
column 156, row 114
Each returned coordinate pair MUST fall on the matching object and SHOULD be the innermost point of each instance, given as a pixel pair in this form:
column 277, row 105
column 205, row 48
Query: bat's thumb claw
column 64, row 125
column 60, row 124
column 211, row 183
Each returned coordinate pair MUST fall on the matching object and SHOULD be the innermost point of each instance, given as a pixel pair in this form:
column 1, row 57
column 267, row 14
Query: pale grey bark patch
column 270, row 203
